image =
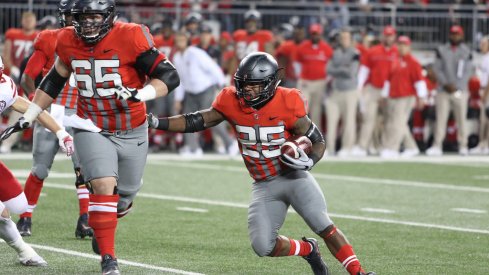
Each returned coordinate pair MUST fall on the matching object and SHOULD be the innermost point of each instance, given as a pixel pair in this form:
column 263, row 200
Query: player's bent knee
column 41, row 171
column 263, row 246
column 17, row 205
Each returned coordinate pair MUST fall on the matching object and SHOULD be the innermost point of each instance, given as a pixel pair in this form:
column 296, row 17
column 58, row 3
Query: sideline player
column 45, row 144
column 264, row 116
column 12, row 198
column 111, row 61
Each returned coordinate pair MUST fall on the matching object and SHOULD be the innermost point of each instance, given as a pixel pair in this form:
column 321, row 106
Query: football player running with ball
column 45, row 144
column 12, row 198
column 116, row 69
column 264, row 116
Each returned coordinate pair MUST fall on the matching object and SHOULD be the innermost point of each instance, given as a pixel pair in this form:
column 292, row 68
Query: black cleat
column 318, row 266
column 24, row 226
column 369, row 273
column 82, row 228
column 109, row 265
column 95, row 248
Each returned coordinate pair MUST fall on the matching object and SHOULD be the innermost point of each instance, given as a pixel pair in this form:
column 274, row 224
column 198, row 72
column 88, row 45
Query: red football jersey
column 43, row 59
column 248, row 43
column 313, row 59
column 100, row 68
column 288, row 49
column 405, row 72
column 378, row 59
column 21, row 44
column 260, row 133
column 164, row 45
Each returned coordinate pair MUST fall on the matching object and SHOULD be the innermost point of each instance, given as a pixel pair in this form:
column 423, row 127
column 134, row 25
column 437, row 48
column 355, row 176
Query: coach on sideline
column 343, row 100
column 453, row 68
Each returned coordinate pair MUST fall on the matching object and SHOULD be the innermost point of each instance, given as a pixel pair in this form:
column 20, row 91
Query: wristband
column 148, row 92
column 32, row 112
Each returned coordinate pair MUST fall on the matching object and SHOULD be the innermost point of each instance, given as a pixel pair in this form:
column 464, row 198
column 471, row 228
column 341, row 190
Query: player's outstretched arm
column 50, row 87
column 21, row 105
column 305, row 127
column 187, row 123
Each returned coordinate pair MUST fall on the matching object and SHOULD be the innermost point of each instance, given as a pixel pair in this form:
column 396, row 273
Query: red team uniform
column 251, row 42
column 43, row 59
column 260, row 146
column 113, row 67
column 21, row 44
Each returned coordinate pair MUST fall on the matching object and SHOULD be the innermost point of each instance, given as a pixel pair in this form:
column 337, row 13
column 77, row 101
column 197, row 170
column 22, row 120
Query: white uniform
column 8, row 92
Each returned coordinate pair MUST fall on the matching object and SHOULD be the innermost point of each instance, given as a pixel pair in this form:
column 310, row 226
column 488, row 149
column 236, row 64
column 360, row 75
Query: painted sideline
column 333, row 215
column 97, row 257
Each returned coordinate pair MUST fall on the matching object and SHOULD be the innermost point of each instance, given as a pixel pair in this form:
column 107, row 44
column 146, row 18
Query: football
column 290, row 146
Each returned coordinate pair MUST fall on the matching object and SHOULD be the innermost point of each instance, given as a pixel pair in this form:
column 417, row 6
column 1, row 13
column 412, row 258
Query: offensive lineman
column 45, row 144
column 12, row 198
column 111, row 62
column 264, row 116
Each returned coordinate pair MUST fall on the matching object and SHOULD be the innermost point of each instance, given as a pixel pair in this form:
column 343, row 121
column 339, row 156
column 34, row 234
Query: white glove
column 304, row 162
column 153, row 121
column 65, row 141
column 125, row 93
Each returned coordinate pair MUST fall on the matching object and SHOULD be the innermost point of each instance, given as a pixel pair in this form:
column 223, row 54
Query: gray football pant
column 270, row 201
column 121, row 156
column 45, row 147
column 197, row 102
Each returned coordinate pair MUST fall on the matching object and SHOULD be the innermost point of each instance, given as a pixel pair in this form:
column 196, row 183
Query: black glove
column 20, row 125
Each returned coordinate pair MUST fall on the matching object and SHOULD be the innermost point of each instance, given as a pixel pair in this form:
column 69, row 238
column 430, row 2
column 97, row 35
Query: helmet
column 1, row 67
column 64, row 8
column 252, row 15
column 193, row 17
column 258, row 68
column 85, row 29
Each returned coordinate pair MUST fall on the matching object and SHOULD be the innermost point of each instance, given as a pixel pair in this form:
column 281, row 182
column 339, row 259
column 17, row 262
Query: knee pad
column 41, row 171
column 79, row 178
column 17, row 205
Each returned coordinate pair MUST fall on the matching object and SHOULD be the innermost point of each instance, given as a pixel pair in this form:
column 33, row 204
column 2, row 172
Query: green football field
column 425, row 216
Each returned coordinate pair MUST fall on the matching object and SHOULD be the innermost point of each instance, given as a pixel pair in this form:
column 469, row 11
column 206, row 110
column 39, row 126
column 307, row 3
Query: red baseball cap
column 316, row 28
column 404, row 40
column 456, row 29
column 389, row 30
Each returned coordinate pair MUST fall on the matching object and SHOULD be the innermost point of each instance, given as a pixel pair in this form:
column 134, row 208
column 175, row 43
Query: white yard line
column 335, row 177
column 377, row 210
column 469, row 210
column 242, row 205
column 191, row 209
column 97, row 257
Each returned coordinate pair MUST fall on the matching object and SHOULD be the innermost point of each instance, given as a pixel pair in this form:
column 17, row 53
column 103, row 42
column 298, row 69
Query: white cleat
column 29, row 257
column 434, row 151
column 389, row 154
column 358, row 151
column 409, row 153
column 463, row 152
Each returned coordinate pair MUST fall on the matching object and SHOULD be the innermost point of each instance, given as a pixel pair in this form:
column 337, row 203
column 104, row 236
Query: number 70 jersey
column 260, row 133
column 102, row 67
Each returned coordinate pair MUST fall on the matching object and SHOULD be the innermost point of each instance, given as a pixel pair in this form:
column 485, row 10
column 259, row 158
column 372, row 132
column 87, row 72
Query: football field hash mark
column 469, row 210
column 377, row 210
column 190, row 209
column 124, row 262
column 333, row 215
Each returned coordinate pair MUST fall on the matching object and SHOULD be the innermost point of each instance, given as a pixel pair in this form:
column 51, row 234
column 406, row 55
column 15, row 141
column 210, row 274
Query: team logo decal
column 2, row 105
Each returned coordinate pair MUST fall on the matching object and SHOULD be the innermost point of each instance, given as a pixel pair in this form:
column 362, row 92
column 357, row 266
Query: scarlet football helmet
column 258, row 68
column 91, row 31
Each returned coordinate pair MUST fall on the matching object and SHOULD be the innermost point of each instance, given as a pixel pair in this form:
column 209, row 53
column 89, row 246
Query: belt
column 116, row 133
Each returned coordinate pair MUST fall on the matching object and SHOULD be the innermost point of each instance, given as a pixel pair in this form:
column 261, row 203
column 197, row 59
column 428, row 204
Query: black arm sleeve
column 53, row 83
column 314, row 134
column 153, row 65
column 194, row 122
